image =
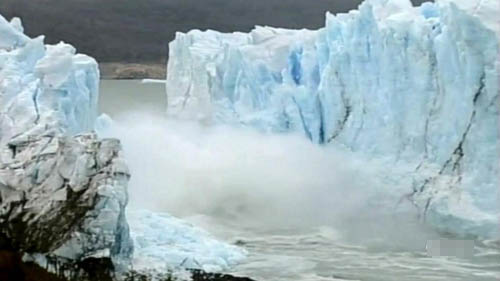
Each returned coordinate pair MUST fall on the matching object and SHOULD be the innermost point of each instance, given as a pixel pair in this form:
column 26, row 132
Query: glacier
column 63, row 188
column 63, row 191
column 415, row 86
column 44, row 87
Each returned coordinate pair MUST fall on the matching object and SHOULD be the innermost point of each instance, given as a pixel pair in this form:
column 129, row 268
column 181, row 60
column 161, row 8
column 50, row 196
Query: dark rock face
column 62, row 204
column 196, row 275
column 199, row 275
column 12, row 268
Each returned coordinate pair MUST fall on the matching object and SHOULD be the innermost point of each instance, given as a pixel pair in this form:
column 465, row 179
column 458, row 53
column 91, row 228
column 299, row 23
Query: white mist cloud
column 268, row 180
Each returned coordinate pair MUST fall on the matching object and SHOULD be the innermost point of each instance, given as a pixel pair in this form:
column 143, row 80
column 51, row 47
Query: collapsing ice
column 63, row 191
column 418, row 85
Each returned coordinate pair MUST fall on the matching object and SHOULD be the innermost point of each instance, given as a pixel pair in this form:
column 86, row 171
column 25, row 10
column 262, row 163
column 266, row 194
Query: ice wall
column 63, row 191
column 418, row 85
column 44, row 87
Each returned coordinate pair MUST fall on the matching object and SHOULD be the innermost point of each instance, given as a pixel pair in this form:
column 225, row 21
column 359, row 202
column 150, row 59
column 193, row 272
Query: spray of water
column 272, row 181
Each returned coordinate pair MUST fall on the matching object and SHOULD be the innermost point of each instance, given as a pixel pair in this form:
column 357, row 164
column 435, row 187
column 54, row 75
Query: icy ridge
column 419, row 84
column 44, row 87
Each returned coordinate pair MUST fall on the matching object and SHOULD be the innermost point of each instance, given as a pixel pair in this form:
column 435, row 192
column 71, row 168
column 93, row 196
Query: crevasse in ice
column 416, row 84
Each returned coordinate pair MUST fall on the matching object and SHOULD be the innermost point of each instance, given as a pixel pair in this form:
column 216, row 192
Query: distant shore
column 119, row 70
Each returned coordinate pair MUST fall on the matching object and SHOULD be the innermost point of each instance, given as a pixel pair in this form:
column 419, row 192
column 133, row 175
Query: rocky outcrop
column 62, row 202
column 114, row 71
column 12, row 268
column 194, row 275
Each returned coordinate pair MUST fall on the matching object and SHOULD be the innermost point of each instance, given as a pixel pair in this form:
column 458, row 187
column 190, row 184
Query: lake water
column 240, row 193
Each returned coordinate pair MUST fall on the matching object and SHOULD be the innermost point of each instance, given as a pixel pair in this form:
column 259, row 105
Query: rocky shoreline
column 13, row 268
column 120, row 70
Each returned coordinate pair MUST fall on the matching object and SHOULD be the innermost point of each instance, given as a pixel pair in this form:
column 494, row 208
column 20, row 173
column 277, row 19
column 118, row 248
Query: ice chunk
column 161, row 241
column 417, row 84
column 103, row 123
column 12, row 34
column 17, row 25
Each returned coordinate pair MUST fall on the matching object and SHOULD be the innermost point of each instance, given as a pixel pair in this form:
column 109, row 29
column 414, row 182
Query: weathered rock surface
column 194, row 275
column 62, row 201
column 62, row 191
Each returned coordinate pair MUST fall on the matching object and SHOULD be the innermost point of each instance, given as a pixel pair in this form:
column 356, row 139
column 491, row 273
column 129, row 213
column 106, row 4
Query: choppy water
column 375, row 248
column 316, row 256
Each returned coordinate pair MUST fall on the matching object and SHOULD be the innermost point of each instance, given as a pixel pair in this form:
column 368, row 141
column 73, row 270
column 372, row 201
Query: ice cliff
column 417, row 85
column 44, row 87
column 62, row 190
